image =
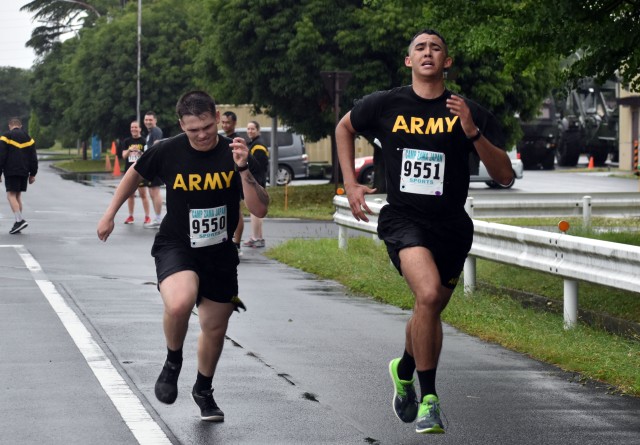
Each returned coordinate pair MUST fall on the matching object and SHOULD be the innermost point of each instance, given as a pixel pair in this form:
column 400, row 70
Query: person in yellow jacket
column 19, row 164
column 260, row 152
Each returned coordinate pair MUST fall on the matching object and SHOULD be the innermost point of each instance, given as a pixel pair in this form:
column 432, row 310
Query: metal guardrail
column 572, row 258
column 558, row 204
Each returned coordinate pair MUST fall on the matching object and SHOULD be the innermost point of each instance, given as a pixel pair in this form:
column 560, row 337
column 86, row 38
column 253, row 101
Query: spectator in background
column 261, row 154
column 154, row 135
column 132, row 148
column 19, row 164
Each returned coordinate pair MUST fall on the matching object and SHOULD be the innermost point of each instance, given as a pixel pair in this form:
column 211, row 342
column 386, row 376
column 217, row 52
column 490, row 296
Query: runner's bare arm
column 345, row 134
column 495, row 159
column 126, row 188
column 256, row 197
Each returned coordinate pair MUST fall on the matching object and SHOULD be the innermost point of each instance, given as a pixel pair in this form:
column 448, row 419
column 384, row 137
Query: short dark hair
column 195, row 103
column 231, row 115
column 150, row 113
column 430, row 32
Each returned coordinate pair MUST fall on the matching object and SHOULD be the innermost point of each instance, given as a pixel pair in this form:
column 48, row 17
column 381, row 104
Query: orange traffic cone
column 590, row 163
column 116, row 168
column 113, row 147
column 107, row 163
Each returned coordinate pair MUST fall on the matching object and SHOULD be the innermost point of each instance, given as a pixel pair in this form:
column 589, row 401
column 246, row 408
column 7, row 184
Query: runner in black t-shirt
column 196, row 260
column 427, row 135
column 132, row 148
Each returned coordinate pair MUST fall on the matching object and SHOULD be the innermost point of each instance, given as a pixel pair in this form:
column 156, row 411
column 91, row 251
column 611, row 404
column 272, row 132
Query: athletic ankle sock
column 406, row 366
column 203, row 383
column 174, row 357
column 427, row 381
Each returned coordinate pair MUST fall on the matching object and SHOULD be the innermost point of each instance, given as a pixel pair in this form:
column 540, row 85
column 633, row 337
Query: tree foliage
column 507, row 55
column 14, row 95
column 87, row 85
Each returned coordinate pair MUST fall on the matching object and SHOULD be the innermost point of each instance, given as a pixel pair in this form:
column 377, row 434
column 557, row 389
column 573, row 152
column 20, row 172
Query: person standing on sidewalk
column 260, row 152
column 427, row 134
column 196, row 260
column 19, row 164
column 154, row 135
column 228, row 121
column 132, row 149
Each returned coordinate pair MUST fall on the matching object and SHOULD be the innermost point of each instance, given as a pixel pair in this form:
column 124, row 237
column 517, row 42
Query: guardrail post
column 343, row 232
column 570, row 303
column 470, row 262
column 470, row 274
column 586, row 212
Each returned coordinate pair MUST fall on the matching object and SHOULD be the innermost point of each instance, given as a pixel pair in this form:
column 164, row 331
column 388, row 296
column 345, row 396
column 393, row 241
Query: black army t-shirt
column 425, row 150
column 203, row 190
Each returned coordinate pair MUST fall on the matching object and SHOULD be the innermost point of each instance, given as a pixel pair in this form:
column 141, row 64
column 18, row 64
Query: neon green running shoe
column 429, row 416
column 405, row 402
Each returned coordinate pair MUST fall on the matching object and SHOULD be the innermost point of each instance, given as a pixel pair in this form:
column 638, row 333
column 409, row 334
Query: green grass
column 304, row 201
column 490, row 316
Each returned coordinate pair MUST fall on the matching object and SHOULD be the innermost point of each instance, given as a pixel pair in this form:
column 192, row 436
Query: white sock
column 18, row 216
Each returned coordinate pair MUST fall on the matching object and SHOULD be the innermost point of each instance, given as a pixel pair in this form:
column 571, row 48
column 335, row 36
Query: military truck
column 537, row 148
column 588, row 123
column 571, row 122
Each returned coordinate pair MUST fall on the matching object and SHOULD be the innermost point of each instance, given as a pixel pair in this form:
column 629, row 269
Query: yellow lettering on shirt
column 210, row 181
column 418, row 125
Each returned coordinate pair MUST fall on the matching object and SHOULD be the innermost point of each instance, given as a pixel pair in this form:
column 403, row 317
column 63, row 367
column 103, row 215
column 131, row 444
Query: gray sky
column 15, row 30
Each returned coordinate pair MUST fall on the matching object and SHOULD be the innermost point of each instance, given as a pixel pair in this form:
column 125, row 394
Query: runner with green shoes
column 429, row 416
column 405, row 402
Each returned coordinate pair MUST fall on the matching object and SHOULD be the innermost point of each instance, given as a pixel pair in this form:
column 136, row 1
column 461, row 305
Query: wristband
column 241, row 169
column 476, row 137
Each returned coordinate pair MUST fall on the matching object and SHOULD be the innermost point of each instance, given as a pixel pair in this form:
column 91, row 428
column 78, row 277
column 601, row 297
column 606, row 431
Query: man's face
column 135, row 129
column 428, row 56
column 228, row 125
column 202, row 131
column 149, row 121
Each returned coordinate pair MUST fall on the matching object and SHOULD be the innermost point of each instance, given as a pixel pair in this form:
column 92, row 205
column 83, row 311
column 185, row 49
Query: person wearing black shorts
column 19, row 164
column 154, row 184
column 132, row 148
column 427, row 135
column 196, row 260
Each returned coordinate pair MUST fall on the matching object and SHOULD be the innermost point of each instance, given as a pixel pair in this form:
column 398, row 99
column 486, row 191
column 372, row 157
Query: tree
column 87, row 84
column 14, row 95
column 273, row 54
column 59, row 17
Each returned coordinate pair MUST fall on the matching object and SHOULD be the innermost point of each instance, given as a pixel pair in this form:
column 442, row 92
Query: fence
column 572, row 258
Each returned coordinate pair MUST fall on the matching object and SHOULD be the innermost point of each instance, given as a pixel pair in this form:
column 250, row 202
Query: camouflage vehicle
column 583, row 120
column 589, row 123
column 537, row 148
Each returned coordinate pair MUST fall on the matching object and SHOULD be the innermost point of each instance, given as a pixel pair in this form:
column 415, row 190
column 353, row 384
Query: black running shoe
column 18, row 226
column 209, row 411
column 167, row 383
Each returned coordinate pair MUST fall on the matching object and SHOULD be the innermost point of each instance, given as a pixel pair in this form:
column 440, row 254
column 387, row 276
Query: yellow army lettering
column 417, row 125
column 210, row 182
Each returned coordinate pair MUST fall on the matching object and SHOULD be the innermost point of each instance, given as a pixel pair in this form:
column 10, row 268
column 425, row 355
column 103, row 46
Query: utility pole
column 335, row 82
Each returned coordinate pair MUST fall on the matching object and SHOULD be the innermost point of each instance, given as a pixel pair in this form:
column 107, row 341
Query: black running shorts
column 217, row 269
column 449, row 241
column 16, row 183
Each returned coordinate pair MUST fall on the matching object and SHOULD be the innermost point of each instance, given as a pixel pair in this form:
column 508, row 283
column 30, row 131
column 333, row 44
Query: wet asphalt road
column 81, row 345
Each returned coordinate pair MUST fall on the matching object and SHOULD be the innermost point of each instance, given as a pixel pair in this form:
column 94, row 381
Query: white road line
column 139, row 421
